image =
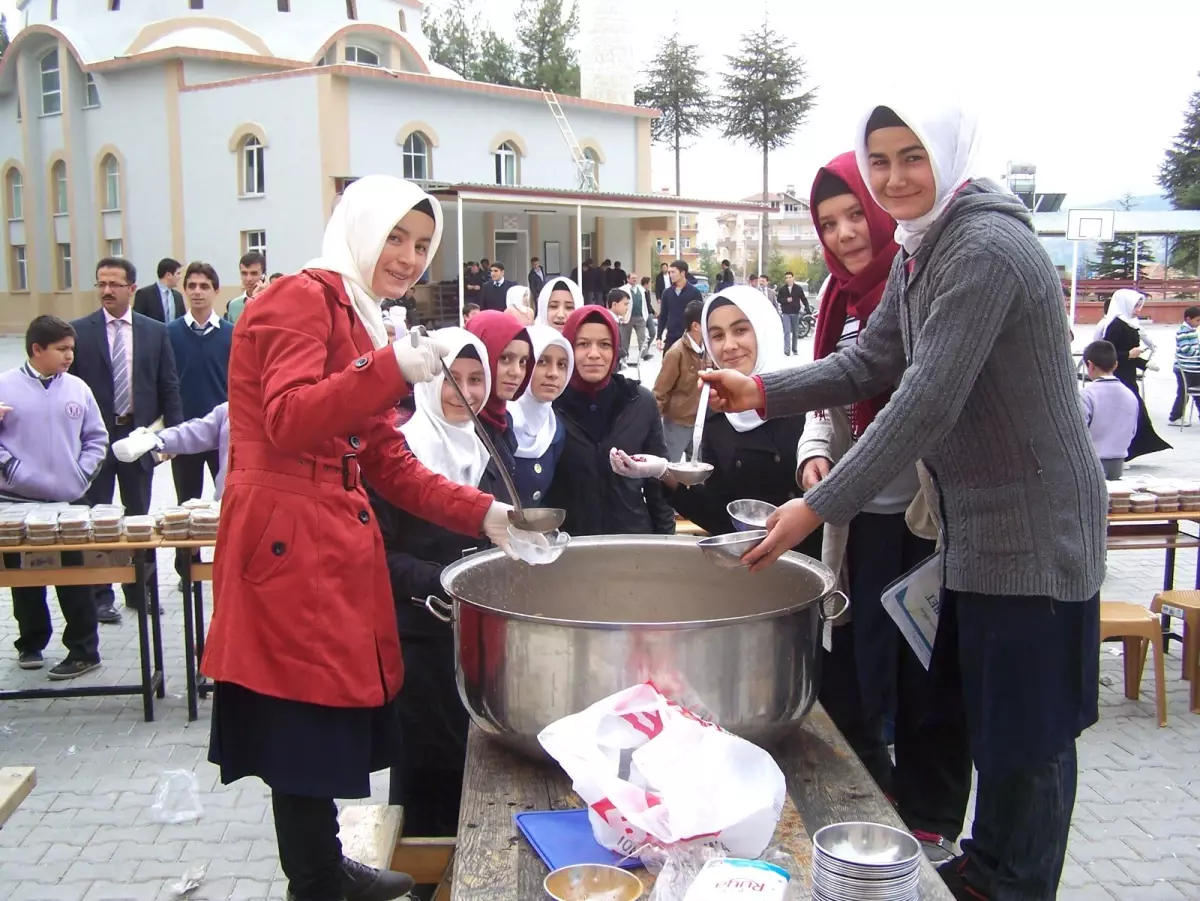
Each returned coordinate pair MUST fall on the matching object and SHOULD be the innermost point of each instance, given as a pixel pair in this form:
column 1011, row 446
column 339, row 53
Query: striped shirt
column 1187, row 349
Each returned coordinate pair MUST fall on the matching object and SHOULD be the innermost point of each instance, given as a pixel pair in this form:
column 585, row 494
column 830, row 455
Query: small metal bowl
column 867, row 845
column 592, row 882
column 726, row 550
column 690, row 473
column 749, row 514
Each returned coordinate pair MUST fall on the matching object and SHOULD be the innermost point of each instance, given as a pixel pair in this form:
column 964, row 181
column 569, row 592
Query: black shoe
column 71, row 669
column 31, row 660
column 107, row 613
column 364, row 883
column 952, row 874
column 155, row 609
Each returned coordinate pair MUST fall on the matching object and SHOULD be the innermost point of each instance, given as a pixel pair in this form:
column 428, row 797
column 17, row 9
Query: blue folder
column 563, row 838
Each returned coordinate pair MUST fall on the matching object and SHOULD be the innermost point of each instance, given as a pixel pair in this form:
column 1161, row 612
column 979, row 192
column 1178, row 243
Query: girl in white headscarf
column 1120, row 327
column 428, row 782
column 558, row 298
column 539, row 433
column 303, row 647
column 517, row 304
column 752, row 457
column 972, row 335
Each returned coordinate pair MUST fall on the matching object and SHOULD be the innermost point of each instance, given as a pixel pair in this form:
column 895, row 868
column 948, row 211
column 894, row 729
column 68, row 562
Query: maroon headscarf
column 854, row 295
column 577, row 320
column 497, row 330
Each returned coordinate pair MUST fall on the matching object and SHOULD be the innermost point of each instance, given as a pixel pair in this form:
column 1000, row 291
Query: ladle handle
column 419, row 330
column 698, row 428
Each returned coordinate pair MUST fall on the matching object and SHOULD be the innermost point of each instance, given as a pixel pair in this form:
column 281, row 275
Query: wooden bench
column 16, row 782
column 371, row 834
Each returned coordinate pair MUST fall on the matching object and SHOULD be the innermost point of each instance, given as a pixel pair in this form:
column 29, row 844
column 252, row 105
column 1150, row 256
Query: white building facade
column 789, row 226
column 200, row 129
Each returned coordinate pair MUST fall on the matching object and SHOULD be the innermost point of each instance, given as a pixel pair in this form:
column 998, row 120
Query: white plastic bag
column 654, row 773
column 176, row 798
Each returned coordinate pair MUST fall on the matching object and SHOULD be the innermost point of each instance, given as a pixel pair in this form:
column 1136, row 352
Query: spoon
column 695, row 472
column 539, row 519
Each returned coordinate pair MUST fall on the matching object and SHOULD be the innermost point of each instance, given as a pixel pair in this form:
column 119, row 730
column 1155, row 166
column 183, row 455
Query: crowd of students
column 941, row 416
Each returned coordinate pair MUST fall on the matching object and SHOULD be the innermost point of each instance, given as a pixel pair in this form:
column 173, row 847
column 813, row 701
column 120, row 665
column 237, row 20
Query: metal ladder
column 587, row 169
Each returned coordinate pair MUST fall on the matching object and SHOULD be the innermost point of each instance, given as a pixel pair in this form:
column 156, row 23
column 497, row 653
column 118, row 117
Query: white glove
column 420, row 356
column 495, row 527
column 139, row 443
column 641, row 466
column 1153, row 367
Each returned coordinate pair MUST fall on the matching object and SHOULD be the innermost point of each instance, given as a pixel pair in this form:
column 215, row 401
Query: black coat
column 617, row 278
column 155, row 380
column 597, row 500
column 148, row 302
column 1124, row 337
column 495, row 297
column 792, row 300
column 661, row 283
column 725, row 279
column 536, row 282
column 759, row 465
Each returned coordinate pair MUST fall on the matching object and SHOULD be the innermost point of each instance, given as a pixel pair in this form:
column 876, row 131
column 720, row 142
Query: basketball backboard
column 1090, row 225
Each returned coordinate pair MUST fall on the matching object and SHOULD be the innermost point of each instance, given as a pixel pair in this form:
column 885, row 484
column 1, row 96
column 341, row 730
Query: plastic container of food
column 1142, row 502
column 205, row 517
column 197, row 503
column 40, row 522
column 139, row 528
column 176, row 515
column 107, row 515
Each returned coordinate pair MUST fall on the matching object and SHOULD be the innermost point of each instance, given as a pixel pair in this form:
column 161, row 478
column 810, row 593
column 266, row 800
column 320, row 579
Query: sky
column 1091, row 91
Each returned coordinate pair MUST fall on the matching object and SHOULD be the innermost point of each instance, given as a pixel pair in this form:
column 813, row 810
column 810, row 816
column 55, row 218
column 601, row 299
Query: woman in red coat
column 303, row 646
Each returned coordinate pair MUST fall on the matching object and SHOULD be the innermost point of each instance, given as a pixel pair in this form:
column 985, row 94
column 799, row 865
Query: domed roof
column 202, row 37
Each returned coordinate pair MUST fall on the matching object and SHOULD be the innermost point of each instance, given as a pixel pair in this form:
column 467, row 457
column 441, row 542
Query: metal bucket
column 537, row 643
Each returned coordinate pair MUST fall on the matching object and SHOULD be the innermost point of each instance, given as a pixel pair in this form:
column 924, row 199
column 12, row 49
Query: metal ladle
column 538, row 519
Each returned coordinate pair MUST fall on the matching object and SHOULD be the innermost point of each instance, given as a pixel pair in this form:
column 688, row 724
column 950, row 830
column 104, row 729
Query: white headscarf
column 449, row 449
column 516, row 297
column 949, row 131
column 534, row 422
column 1123, row 305
column 356, row 234
column 768, row 331
column 552, row 285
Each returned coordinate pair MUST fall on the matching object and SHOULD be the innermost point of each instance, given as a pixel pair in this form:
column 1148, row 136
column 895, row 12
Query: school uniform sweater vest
column 203, row 365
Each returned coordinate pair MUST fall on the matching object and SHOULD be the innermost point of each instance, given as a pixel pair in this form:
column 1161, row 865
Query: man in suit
column 495, row 292
column 662, row 282
column 537, row 278
column 617, row 277
column 161, row 300
column 126, row 359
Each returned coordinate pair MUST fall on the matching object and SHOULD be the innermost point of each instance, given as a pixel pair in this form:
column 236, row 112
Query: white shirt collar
column 214, row 321
column 109, row 318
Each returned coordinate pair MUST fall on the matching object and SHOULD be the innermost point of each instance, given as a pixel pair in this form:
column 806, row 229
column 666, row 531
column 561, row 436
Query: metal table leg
column 189, row 641
column 148, row 682
column 155, row 608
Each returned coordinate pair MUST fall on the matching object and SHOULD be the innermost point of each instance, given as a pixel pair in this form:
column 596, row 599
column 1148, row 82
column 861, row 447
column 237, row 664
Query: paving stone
column 1108, row 872
column 120, row 891
column 32, row 891
column 1157, row 891
column 1105, row 849
column 1122, row 828
column 1084, row 893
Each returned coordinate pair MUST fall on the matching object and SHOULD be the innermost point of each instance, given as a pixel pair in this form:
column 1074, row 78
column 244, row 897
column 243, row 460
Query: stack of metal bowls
column 865, row 862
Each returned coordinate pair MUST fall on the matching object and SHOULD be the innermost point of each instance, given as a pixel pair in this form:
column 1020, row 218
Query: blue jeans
column 791, row 323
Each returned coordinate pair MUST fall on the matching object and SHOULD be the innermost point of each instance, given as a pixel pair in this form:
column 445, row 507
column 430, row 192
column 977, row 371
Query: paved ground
column 85, row 834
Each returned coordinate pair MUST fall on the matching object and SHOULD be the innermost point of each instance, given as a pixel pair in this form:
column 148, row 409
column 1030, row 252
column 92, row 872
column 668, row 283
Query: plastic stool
column 1139, row 628
column 1189, row 603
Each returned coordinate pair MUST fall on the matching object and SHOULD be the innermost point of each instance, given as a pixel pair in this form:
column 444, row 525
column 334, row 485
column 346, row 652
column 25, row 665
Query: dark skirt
column 1145, row 439
column 298, row 748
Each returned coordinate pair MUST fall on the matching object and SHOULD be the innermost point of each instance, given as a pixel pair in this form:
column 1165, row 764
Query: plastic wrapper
column 205, row 516
column 707, row 873
column 176, row 515
column 190, row 881
column 139, row 528
column 41, row 520
column 538, row 548
column 176, row 798
column 197, row 503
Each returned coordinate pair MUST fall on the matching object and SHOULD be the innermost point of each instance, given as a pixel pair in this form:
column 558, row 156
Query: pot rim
column 819, row 568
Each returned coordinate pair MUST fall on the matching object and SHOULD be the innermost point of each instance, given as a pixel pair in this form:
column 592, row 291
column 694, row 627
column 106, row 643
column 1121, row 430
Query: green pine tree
column 675, row 85
column 3, row 34
column 817, row 273
column 1118, row 256
column 763, row 104
column 776, row 264
column 709, row 264
column 1180, row 178
column 546, row 57
column 477, row 54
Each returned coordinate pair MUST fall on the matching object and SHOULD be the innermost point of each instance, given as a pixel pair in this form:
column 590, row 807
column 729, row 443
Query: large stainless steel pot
column 536, row 643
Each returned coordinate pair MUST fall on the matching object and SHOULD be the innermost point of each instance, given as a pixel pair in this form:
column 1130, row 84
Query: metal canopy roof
column 1131, row 222
column 553, row 201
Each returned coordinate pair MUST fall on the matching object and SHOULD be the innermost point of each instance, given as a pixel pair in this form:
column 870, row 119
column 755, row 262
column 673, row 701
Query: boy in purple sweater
column 52, row 442
column 1109, row 408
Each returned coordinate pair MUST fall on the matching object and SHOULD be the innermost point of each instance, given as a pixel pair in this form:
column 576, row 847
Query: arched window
column 58, row 189
column 593, row 157
column 51, row 84
column 506, row 164
column 111, row 170
column 14, row 194
column 361, row 55
column 416, row 156
column 254, row 179
column 92, row 97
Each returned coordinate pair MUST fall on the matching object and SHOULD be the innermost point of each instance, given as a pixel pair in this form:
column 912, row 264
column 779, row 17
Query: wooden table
column 149, row 625
column 1154, row 531
column 493, row 862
